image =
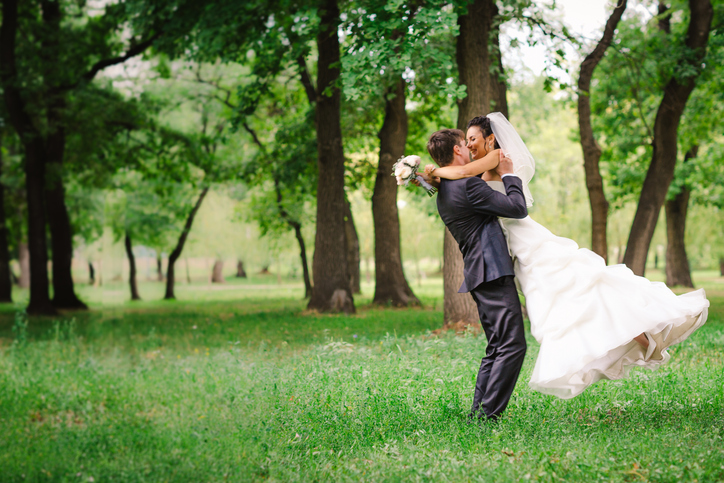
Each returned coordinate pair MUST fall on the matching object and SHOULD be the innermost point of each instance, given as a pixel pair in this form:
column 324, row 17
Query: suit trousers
column 502, row 321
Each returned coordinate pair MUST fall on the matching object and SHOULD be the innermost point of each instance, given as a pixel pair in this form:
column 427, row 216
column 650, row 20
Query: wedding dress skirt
column 585, row 314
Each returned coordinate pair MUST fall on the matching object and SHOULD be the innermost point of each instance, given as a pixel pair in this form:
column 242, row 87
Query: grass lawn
column 239, row 383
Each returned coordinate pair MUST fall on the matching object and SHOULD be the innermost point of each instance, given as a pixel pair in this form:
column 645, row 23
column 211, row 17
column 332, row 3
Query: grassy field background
column 238, row 383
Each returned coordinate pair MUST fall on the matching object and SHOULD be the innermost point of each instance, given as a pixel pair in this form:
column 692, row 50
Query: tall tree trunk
column 91, row 274
column 6, row 286
column 591, row 149
column 61, row 234
column 663, row 161
column 352, row 244
column 476, row 57
column 159, row 267
column 176, row 253
column 35, row 156
column 132, row 272
column 217, row 272
column 302, row 255
column 24, row 262
column 241, row 273
column 391, row 287
column 331, row 291
column 678, row 271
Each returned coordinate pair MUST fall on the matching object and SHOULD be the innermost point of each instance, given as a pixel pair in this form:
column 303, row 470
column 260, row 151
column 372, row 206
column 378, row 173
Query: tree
column 54, row 60
column 5, row 282
column 480, row 70
column 663, row 161
column 331, row 291
column 591, row 149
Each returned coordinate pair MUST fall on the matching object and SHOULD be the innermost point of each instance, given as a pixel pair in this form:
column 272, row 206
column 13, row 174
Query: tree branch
column 102, row 64
column 306, row 80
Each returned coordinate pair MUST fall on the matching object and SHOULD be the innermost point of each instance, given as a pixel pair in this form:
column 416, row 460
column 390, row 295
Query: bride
column 592, row 321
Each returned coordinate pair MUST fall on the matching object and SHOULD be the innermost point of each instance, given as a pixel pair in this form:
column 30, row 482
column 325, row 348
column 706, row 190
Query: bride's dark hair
column 483, row 123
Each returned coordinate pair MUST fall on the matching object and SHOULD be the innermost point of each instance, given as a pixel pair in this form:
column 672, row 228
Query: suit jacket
column 470, row 209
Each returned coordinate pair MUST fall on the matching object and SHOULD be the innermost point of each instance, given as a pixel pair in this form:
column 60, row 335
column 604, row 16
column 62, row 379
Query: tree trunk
column 91, row 274
column 591, row 149
column 217, row 273
column 297, row 227
column 159, row 267
column 176, row 253
column 241, row 273
column 35, row 156
column 721, row 266
column 352, row 244
column 61, row 234
column 331, row 291
column 24, row 262
column 303, row 256
column 6, row 286
column 61, row 237
column 391, row 287
column 663, row 161
column 485, row 91
column 457, row 307
column 677, row 263
column 678, row 271
column 132, row 272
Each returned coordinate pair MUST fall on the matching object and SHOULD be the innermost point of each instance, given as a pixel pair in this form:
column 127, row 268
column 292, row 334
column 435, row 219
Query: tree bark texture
column 457, row 307
column 61, row 235
column 352, row 242
column 331, row 291
column 217, row 272
column 477, row 51
column 303, row 257
column 240, row 272
column 591, row 149
column 24, row 262
column 35, row 155
column 6, row 286
column 666, row 126
column 391, row 287
column 176, row 253
column 678, row 271
column 159, row 267
column 132, row 271
column 677, row 263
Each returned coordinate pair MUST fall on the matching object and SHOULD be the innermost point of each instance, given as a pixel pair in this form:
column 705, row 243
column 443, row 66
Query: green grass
column 244, row 385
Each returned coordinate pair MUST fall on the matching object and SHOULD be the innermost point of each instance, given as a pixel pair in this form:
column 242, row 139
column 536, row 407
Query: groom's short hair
column 441, row 144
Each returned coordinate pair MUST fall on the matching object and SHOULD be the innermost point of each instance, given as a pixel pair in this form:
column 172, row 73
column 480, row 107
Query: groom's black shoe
column 481, row 416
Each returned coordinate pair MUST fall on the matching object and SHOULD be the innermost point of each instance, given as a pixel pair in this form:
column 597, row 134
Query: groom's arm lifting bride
column 470, row 210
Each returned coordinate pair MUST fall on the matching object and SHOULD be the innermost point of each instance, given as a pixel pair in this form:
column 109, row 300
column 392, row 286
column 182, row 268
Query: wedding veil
column 514, row 147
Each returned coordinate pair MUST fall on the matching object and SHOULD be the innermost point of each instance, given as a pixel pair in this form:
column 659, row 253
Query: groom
column 470, row 209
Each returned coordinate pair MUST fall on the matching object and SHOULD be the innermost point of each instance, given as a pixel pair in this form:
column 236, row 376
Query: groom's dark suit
column 470, row 209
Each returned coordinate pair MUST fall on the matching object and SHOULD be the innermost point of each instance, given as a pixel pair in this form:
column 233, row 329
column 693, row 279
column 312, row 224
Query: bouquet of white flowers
column 405, row 170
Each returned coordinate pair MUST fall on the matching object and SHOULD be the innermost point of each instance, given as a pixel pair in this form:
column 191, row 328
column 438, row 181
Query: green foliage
column 627, row 90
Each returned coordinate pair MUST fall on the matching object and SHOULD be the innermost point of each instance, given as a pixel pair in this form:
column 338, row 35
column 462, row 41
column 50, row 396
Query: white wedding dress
column 585, row 314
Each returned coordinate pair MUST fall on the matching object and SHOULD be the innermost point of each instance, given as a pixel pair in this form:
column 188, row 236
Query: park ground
column 239, row 383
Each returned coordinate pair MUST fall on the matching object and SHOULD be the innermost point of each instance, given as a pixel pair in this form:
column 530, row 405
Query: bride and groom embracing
column 592, row 321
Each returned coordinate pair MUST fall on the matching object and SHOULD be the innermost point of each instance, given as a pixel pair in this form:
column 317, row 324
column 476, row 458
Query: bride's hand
column 429, row 168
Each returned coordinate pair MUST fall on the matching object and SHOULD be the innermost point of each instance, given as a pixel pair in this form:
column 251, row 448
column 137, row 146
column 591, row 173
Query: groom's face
column 462, row 151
